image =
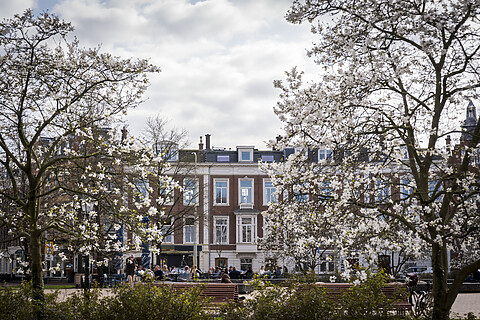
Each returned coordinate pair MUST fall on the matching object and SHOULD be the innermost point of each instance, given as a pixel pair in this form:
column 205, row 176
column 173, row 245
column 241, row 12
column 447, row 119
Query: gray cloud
column 218, row 59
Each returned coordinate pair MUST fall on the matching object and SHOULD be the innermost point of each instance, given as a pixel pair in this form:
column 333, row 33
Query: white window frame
column 383, row 190
column 267, row 201
column 215, row 191
column 215, row 239
column 245, row 150
column 300, row 150
column 406, row 189
column 326, row 152
column 299, row 196
column 167, row 150
column 195, row 192
column 240, row 225
column 141, row 189
column 240, row 189
column 170, row 237
column 195, row 226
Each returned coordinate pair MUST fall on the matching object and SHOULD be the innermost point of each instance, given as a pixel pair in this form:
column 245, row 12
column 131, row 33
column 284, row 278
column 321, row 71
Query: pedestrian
column 130, row 267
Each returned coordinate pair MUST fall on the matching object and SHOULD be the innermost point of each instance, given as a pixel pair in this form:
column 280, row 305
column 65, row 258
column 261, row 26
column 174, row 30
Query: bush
column 142, row 302
column 310, row 301
column 145, row 302
column 156, row 302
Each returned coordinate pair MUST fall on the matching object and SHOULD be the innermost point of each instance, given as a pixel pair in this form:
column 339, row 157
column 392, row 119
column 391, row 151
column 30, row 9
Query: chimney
column 207, row 141
column 200, row 145
column 124, row 134
column 448, row 142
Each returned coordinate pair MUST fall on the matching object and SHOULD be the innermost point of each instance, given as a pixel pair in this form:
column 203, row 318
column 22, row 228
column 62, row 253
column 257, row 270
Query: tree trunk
column 440, row 292
column 37, row 273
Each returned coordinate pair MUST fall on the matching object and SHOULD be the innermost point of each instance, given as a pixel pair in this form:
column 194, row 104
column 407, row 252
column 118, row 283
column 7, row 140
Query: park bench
column 390, row 290
column 218, row 292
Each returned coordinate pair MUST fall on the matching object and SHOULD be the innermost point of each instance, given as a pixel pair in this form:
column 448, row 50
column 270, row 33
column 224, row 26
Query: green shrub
column 367, row 301
column 309, row 301
column 143, row 302
column 156, row 302
column 17, row 304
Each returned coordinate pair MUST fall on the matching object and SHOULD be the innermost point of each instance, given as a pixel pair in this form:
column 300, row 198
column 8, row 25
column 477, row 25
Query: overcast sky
column 218, row 58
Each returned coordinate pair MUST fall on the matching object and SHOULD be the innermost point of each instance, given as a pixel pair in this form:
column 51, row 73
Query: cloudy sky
column 218, row 58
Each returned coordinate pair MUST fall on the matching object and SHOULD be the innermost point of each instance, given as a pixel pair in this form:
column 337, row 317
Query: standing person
column 130, row 267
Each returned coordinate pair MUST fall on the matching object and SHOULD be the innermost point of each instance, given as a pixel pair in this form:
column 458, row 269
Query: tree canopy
column 59, row 104
column 394, row 80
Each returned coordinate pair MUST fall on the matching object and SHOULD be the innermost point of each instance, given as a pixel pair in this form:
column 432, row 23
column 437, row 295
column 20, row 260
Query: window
column 300, row 150
column 223, row 158
column 167, row 230
column 140, row 192
column 167, row 150
column 325, row 191
column 267, row 158
column 189, row 230
column 406, row 189
column 221, row 263
column 268, row 192
column 166, row 192
column 246, row 229
column 382, row 190
column 245, row 154
column 221, row 230
column 327, row 266
column 300, row 193
column 246, row 191
column 324, row 154
column 245, row 264
column 189, row 192
column 221, row 191
column 434, row 189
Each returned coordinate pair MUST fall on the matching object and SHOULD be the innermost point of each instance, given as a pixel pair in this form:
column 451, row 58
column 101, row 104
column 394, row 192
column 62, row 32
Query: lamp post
column 195, row 215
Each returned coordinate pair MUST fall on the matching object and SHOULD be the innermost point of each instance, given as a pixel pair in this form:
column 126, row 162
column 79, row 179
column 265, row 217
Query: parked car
column 421, row 271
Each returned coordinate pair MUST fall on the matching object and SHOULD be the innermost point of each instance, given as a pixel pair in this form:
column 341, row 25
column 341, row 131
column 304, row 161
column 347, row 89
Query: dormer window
column 301, row 150
column 167, row 150
column 245, row 154
column 324, row 154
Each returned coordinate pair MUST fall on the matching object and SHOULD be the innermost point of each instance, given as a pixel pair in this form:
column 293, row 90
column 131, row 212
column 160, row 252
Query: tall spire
column 470, row 122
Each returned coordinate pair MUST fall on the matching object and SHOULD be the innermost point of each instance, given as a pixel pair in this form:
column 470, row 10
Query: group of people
column 133, row 269
column 278, row 272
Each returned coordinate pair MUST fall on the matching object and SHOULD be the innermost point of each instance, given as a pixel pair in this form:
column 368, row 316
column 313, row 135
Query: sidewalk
column 465, row 303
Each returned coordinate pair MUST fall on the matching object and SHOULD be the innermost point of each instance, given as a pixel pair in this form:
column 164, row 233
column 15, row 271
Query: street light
column 195, row 215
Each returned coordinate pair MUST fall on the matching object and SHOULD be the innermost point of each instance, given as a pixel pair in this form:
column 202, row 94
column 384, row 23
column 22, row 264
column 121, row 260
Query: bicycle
column 421, row 302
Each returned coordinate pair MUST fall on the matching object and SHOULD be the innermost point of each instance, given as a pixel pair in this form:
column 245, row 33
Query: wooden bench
column 390, row 290
column 219, row 292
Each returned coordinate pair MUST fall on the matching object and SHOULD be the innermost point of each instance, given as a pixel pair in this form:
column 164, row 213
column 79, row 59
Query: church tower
column 468, row 126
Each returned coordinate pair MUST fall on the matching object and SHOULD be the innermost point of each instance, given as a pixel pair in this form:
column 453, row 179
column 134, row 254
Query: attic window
column 223, row 158
column 245, row 154
column 267, row 158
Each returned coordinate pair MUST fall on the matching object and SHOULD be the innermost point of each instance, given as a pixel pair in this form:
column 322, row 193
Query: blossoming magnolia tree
column 54, row 98
column 163, row 185
column 394, row 77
